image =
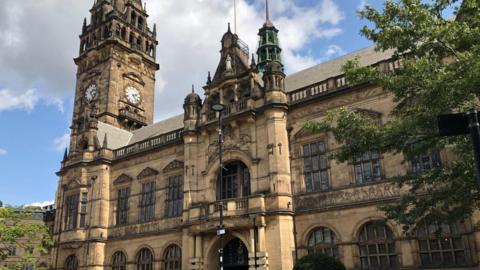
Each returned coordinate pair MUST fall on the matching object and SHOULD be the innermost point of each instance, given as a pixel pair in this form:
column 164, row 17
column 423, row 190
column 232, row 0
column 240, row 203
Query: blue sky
column 37, row 74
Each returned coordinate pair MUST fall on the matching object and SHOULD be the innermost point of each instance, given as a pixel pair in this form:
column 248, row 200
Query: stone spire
column 269, row 46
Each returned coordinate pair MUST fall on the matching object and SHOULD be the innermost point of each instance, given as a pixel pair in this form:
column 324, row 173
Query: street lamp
column 221, row 228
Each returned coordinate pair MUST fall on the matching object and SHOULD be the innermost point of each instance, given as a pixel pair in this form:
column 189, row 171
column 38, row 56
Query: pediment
column 73, row 184
column 147, row 172
column 369, row 113
column 304, row 132
column 174, row 165
column 134, row 77
column 124, row 178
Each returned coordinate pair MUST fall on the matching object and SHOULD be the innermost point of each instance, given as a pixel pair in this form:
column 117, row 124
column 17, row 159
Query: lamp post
column 221, row 228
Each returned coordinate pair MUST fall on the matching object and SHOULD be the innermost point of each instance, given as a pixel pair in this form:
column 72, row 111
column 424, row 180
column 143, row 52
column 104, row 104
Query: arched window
column 377, row 246
column 323, row 240
column 236, row 182
column 145, row 259
column 119, row 261
column 440, row 245
column 71, row 263
column 173, row 258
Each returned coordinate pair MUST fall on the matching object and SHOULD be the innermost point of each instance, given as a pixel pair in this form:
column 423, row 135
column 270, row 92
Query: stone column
column 261, row 254
column 196, row 261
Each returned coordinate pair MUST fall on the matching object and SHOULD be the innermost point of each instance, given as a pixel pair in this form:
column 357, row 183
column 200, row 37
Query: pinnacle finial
column 105, row 141
column 65, row 155
column 229, row 30
column 193, row 88
column 209, row 78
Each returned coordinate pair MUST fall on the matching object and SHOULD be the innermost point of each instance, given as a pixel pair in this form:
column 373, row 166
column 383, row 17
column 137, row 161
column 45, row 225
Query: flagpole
column 235, row 16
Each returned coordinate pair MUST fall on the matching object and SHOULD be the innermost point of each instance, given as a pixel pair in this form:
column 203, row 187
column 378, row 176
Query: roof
column 158, row 128
column 116, row 137
column 333, row 68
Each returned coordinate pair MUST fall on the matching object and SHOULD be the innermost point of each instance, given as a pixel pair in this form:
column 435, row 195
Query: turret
column 274, row 83
column 192, row 107
column 269, row 46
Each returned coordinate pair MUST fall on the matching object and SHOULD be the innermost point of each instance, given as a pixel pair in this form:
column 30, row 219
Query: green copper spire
column 269, row 47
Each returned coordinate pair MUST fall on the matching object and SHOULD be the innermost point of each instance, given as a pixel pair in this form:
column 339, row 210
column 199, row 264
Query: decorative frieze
column 345, row 197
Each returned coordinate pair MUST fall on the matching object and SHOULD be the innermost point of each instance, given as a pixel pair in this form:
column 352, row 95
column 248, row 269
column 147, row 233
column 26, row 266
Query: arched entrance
column 235, row 255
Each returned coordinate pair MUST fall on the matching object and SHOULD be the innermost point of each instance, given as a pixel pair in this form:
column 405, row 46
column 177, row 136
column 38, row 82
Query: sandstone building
column 138, row 195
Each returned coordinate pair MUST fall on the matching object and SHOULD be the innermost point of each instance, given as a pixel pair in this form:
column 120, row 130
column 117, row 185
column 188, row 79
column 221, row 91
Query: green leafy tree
column 319, row 261
column 17, row 230
column 439, row 73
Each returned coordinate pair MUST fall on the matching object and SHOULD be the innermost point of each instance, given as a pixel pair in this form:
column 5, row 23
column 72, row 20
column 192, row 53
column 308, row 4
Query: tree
column 18, row 231
column 439, row 73
column 319, row 261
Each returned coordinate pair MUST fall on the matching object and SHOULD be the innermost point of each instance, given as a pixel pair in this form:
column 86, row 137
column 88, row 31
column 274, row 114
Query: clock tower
column 116, row 67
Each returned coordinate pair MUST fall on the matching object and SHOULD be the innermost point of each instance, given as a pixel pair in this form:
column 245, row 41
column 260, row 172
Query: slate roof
column 333, row 68
column 116, row 137
column 158, row 128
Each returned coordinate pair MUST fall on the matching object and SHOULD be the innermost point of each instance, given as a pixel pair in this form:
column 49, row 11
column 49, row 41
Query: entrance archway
column 235, row 255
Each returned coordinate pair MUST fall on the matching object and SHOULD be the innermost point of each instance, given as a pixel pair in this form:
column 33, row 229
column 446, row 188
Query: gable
column 124, row 178
column 147, row 172
column 174, row 165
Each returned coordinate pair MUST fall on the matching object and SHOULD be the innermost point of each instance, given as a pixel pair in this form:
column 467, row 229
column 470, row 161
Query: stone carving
column 228, row 63
column 122, row 179
column 230, row 143
column 174, row 165
column 134, row 77
column 73, row 183
column 351, row 196
column 147, row 172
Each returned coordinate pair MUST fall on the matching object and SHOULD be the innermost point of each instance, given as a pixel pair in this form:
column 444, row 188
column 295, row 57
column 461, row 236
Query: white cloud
column 62, row 142
column 3, row 152
column 332, row 52
column 10, row 100
column 362, row 5
column 189, row 33
column 41, row 204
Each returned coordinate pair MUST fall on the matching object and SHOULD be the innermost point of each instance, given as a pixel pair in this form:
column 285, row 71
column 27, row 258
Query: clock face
column 91, row 92
column 133, row 95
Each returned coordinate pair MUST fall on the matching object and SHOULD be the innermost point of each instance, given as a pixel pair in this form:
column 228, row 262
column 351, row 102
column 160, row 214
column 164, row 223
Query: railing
column 241, row 203
column 231, row 108
column 155, row 142
column 132, row 116
column 228, row 205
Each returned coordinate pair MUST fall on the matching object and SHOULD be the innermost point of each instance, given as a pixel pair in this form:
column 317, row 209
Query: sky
column 39, row 39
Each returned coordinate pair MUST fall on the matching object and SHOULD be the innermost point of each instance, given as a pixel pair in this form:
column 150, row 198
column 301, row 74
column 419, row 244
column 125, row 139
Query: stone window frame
column 418, row 164
column 304, row 137
column 119, row 261
column 314, row 244
column 241, row 190
column 71, row 212
column 122, row 201
column 147, row 201
column 458, row 235
column 373, row 249
column 370, row 159
column 174, row 187
column 71, row 262
column 172, row 259
column 321, row 171
column 79, row 211
column 145, row 259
